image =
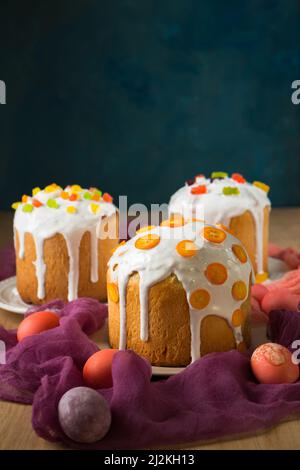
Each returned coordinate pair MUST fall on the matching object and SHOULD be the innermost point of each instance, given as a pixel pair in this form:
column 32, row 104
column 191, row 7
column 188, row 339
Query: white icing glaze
column 45, row 222
column 158, row 263
column 220, row 208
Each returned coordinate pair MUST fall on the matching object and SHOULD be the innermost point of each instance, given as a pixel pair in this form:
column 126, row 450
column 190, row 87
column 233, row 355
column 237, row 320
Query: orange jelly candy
column 239, row 290
column 216, row 273
column 64, row 195
column 240, row 253
column 112, row 292
column 238, row 178
column 214, row 235
column 186, row 248
column 147, row 241
column 36, row 203
column 199, row 299
column 73, row 197
column 202, row 189
column 107, row 197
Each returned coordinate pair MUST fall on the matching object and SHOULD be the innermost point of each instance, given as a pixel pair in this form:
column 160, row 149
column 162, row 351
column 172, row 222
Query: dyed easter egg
column 36, row 323
column 272, row 364
column 97, row 369
column 84, row 415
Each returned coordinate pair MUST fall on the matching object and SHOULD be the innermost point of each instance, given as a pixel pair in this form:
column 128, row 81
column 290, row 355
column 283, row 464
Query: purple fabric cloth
column 214, row 397
column 7, row 263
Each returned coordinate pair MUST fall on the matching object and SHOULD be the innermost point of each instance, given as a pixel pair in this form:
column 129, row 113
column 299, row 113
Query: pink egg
column 272, row 364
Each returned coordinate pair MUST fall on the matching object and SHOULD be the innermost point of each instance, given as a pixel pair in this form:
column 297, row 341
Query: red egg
column 97, row 369
column 272, row 364
column 36, row 323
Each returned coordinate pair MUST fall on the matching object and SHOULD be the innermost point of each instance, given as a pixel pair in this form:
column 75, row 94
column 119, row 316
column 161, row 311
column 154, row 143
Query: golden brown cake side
column 169, row 342
column 56, row 260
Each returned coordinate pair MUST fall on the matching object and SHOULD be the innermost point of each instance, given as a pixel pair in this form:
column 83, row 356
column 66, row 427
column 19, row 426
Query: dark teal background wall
column 136, row 96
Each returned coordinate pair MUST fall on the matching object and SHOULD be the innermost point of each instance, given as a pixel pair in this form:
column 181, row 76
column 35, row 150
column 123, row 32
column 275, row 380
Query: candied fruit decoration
column 27, row 208
column 238, row 178
column 190, row 181
column 240, row 253
column 239, row 290
column 15, row 205
column 231, row 191
column 37, row 203
column 71, row 210
column 214, row 235
column 51, row 188
column 201, row 189
column 112, row 292
column 64, row 195
column 145, row 229
column 24, row 198
column 76, row 188
column 238, row 317
column 35, row 191
column 94, row 208
column 52, row 203
column 95, row 197
column 216, row 273
column 186, row 248
column 174, row 221
column 261, row 277
column 199, row 299
column 218, row 175
column 73, row 197
column 107, row 197
column 147, row 241
column 87, row 195
column 262, row 186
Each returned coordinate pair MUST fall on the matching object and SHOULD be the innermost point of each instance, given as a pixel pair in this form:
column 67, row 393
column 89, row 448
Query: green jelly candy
column 52, row 203
column 98, row 192
column 87, row 196
column 219, row 174
column 231, row 191
column 27, row 208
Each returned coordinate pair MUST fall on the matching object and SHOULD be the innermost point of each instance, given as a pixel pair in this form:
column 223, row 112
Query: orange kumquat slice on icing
column 174, row 221
column 186, row 248
column 216, row 273
column 147, row 241
column 238, row 317
column 239, row 290
column 199, row 299
column 214, row 235
column 240, row 253
column 112, row 292
column 145, row 229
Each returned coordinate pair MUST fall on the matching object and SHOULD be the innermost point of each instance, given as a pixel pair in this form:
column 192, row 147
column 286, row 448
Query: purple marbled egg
column 84, row 415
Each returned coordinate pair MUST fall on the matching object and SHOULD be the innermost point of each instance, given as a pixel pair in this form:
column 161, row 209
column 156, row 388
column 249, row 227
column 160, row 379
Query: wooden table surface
column 15, row 420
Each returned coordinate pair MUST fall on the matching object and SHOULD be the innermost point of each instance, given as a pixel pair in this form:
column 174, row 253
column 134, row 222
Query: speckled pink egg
column 272, row 364
column 84, row 415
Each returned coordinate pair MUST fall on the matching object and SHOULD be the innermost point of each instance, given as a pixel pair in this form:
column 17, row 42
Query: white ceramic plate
column 9, row 297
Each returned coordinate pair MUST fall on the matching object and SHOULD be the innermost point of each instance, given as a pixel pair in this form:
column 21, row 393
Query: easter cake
column 179, row 291
column 63, row 241
column 241, row 206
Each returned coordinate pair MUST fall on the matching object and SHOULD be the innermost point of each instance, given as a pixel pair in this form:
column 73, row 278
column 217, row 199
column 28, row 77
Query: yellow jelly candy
column 35, row 190
column 76, row 188
column 94, row 208
column 262, row 186
column 15, row 205
column 71, row 210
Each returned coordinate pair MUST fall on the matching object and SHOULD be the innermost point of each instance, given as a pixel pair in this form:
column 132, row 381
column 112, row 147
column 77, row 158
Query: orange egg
column 36, row 323
column 97, row 369
column 272, row 364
